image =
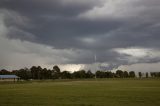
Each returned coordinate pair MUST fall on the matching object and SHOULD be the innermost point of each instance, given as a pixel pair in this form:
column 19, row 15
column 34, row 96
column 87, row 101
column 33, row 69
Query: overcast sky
column 121, row 33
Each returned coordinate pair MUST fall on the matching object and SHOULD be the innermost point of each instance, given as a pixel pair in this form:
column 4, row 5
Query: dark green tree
column 45, row 74
column 99, row 74
column 24, row 74
column 56, row 72
column 36, row 72
column 89, row 74
column 65, row 75
column 132, row 74
column 146, row 74
column 152, row 74
column 4, row 72
column 119, row 73
column 79, row 74
column 125, row 74
column 140, row 74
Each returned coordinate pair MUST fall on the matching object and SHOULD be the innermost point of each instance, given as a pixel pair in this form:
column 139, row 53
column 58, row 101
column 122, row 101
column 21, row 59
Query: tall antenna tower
column 95, row 60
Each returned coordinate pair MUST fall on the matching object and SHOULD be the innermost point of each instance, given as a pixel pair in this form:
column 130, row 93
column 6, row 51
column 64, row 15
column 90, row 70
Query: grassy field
column 101, row 92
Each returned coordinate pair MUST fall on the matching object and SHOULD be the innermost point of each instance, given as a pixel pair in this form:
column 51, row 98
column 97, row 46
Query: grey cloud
column 57, row 24
column 47, row 7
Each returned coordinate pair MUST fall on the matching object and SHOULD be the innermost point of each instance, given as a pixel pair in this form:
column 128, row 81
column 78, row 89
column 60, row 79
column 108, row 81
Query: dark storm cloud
column 92, row 26
column 48, row 7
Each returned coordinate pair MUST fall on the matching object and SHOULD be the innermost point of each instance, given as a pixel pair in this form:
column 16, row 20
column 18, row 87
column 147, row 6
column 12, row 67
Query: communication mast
column 95, row 60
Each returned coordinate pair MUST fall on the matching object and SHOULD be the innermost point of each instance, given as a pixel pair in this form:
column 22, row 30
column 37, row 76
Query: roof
column 8, row 76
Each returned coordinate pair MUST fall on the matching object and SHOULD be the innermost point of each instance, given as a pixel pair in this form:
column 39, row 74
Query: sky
column 122, row 34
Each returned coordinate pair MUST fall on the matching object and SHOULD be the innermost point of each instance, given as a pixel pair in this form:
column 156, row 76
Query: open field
column 100, row 92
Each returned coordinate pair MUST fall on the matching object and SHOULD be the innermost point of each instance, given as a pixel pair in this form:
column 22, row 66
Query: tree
column 152, row 74
column 36, row 72
column 4, row 72
column 89, row 74
column 45, row 74
column 132, row 74
column 119, row 73
column 82, row 73
column 23, row 73
column 146, row 74
column 125, row 74
column 49, row 74
column 140, row 74
column 111, row 75
column 100, row 74
column 56, row 69
column 66, row 75
column 79, row 74
column 56, row 72
column 39, row 70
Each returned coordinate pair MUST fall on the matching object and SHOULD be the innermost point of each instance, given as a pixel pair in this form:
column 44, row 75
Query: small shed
column 9, row 78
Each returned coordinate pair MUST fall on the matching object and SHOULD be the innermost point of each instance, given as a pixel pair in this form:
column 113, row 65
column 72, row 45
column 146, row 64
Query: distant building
column 9, row 78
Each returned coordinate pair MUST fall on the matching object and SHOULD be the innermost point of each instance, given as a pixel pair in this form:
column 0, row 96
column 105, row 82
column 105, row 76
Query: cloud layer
column 119, row 32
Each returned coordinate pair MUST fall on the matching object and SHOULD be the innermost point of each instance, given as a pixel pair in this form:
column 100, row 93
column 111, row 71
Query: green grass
column 101, row 92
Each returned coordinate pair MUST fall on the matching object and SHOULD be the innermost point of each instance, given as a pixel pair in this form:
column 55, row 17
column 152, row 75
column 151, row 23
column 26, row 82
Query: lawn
column 100, row 92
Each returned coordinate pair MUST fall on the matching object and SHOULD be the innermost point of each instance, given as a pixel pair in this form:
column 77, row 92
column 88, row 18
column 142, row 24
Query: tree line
column 39, row 73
